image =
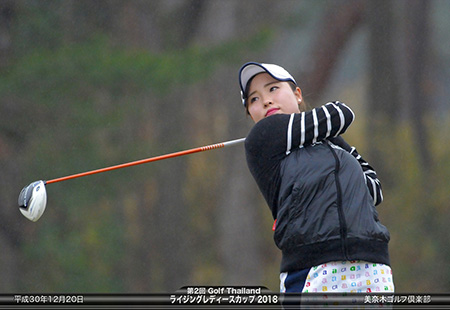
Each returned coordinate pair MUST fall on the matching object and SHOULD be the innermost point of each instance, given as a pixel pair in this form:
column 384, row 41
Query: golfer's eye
column 273, row 88
column 253, row 99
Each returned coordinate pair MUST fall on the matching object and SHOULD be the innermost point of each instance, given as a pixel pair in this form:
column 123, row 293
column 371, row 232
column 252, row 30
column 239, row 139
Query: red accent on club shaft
column 147, row 160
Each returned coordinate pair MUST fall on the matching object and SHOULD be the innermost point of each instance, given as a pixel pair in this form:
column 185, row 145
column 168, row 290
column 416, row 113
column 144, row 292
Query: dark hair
column 247, row 89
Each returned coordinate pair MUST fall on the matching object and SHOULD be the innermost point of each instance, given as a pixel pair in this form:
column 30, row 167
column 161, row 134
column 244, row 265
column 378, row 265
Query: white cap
column 250, row 69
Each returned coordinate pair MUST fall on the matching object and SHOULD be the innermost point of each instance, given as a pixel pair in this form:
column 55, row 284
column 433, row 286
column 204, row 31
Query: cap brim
column 250, row 69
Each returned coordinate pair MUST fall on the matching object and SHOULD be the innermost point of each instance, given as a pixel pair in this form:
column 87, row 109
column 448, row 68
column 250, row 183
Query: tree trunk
column 338, row 24
column 416, row 64
column 237, row 207
column 384, row 87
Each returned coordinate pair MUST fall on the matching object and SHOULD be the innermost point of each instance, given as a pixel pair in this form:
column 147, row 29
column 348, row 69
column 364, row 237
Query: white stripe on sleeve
column 375, row 193
column 327, row 114
column 302, row 129
column 289, row 134
column 316, row 126
column 341, row 117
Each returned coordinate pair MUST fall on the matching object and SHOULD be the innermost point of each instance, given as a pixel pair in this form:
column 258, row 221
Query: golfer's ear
column 298, row 93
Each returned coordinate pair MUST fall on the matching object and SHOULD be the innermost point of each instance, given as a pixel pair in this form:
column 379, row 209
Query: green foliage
column 80, row 107
column 72, row 103
column 416, row 211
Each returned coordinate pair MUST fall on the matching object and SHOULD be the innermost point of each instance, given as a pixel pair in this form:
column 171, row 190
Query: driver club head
column 33, row 200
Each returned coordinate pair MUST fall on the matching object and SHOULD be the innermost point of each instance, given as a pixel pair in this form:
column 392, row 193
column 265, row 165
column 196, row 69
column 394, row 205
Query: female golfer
column 321, row 192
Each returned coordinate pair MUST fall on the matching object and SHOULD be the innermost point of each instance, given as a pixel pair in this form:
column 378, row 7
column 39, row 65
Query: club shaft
column 149, row 160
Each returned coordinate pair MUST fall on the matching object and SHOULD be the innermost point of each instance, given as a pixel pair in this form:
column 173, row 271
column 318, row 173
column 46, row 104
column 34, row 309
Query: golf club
column 33, row 198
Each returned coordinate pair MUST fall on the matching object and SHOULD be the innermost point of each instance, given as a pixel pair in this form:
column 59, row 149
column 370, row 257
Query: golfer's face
column 268, row 96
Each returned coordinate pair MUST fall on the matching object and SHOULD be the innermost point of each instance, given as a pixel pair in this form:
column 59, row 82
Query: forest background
column 89, row 84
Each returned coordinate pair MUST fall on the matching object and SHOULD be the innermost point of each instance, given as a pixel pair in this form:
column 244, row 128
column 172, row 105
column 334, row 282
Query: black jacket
column 320, row 191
